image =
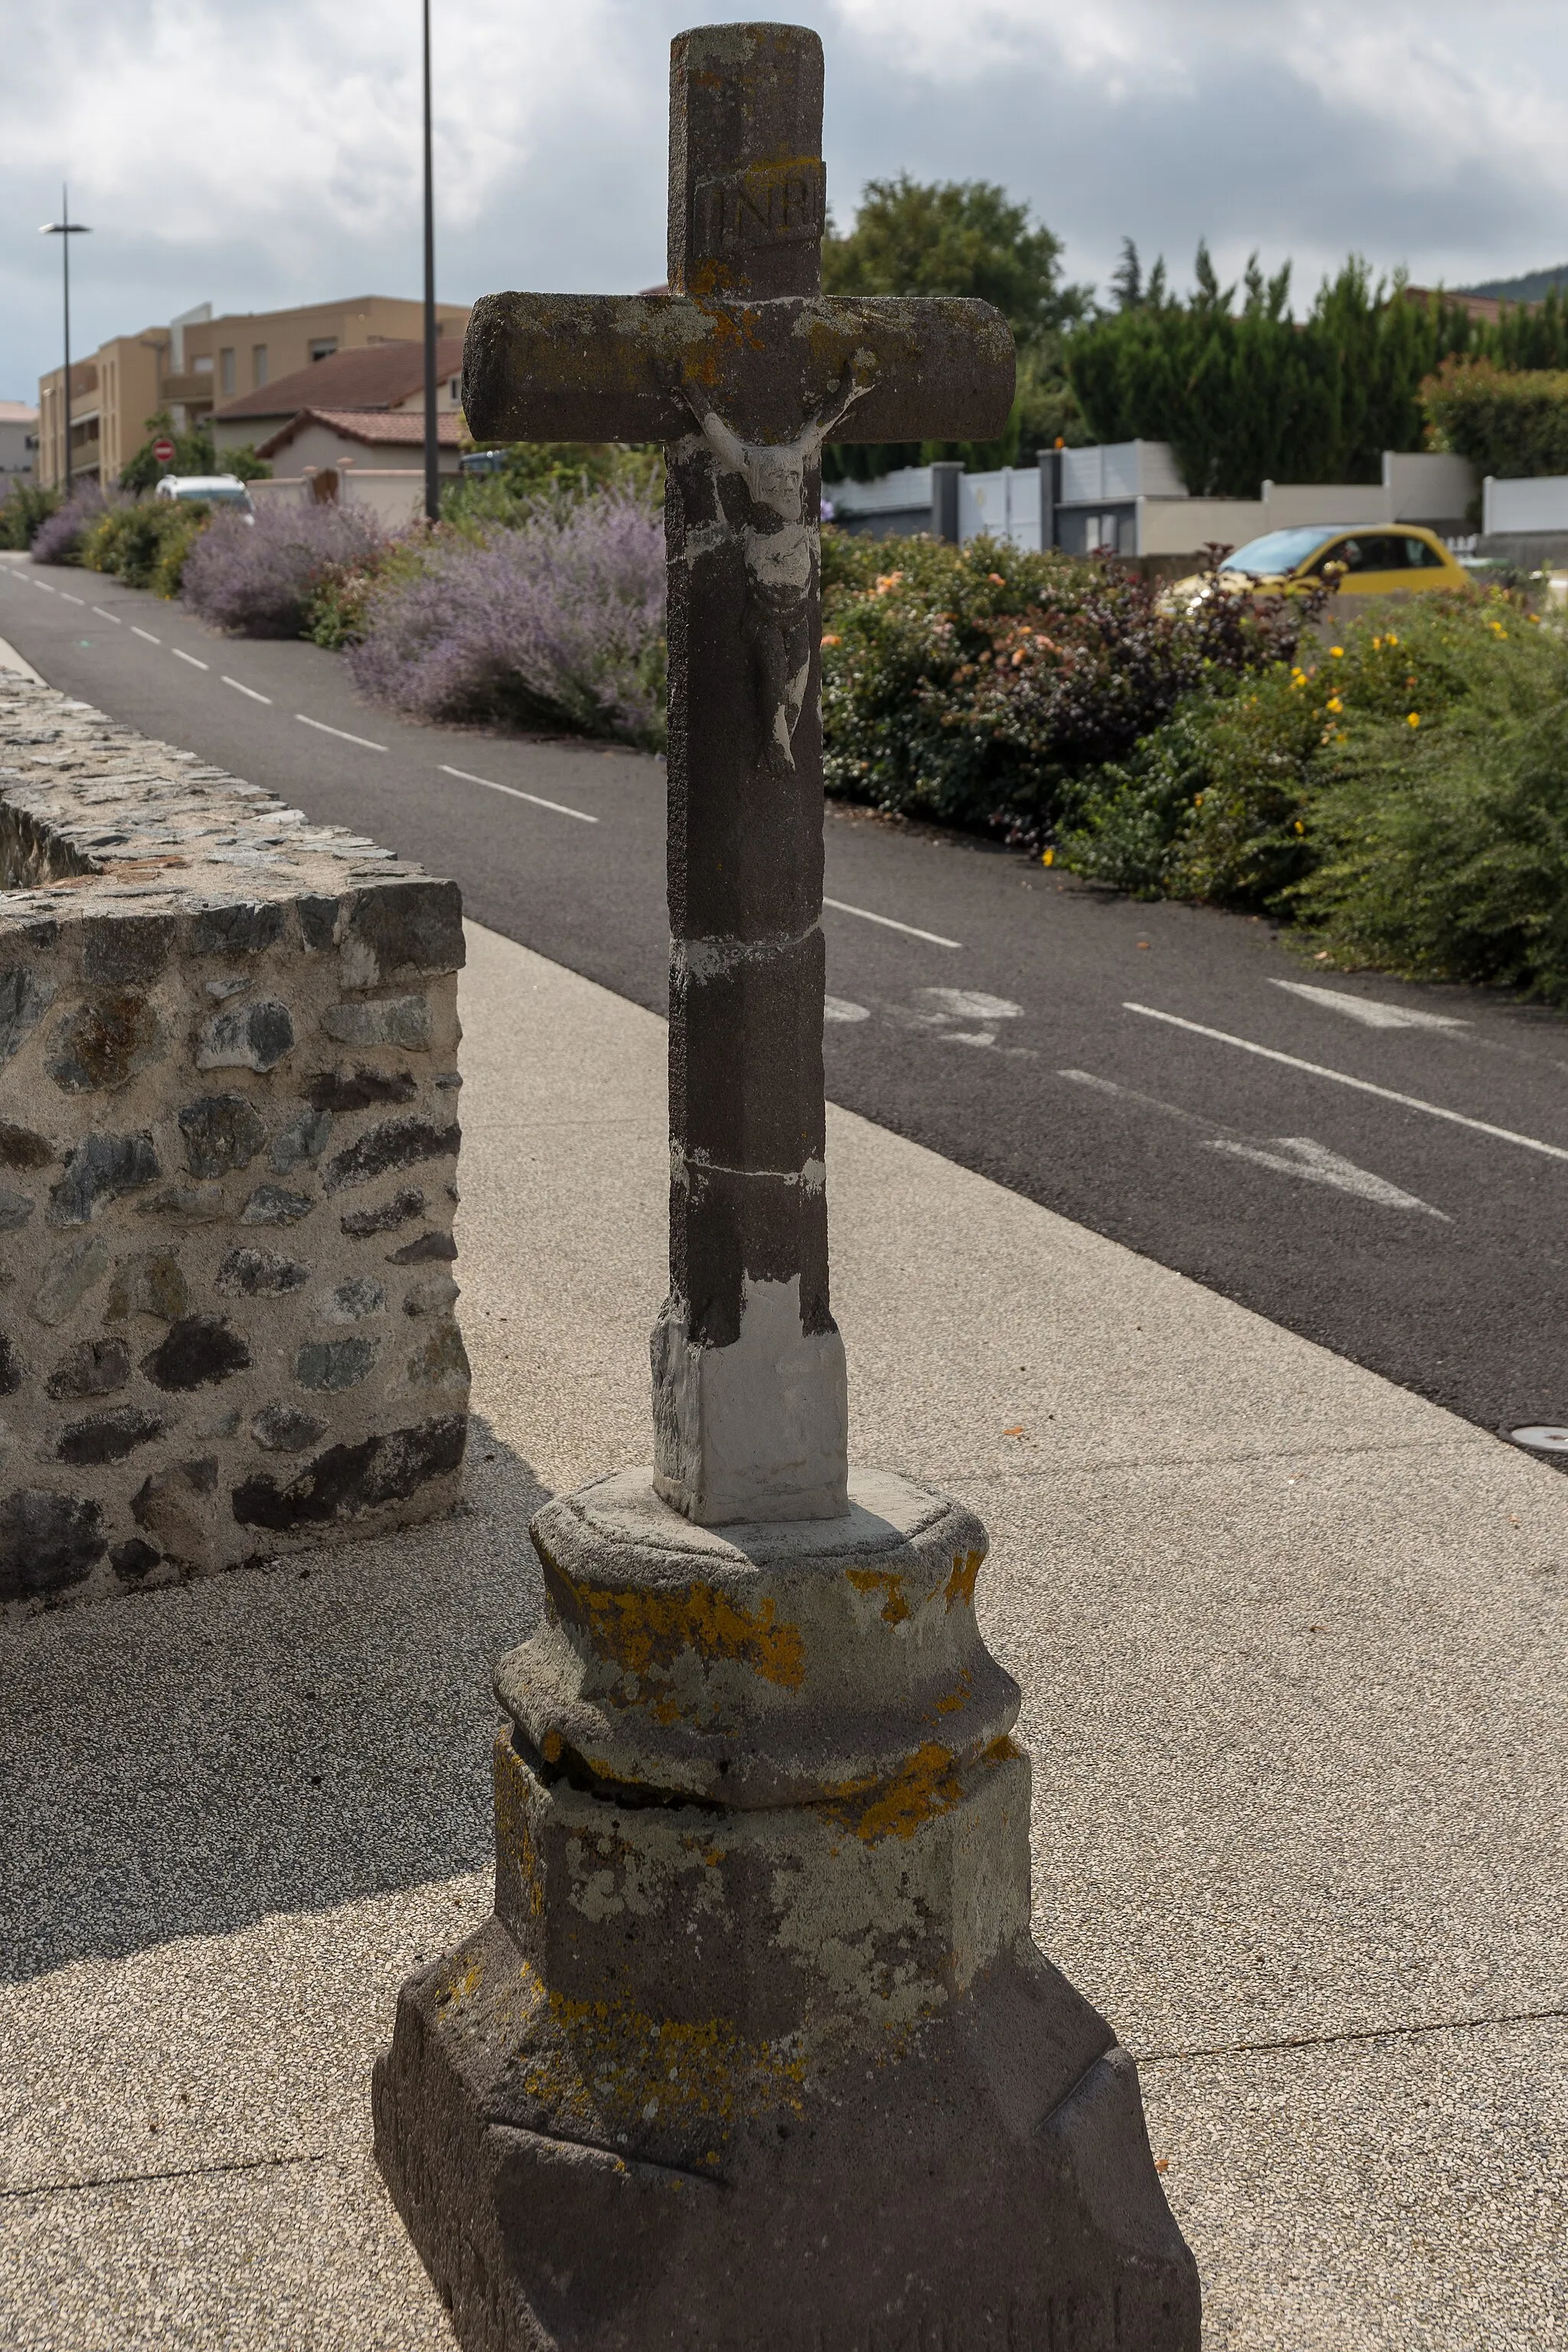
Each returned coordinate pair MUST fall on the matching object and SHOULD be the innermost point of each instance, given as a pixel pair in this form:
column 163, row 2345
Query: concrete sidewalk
column 1292, row 1693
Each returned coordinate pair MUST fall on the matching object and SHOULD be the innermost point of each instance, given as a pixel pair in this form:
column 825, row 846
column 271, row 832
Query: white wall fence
column 1126, row 498
column 1540, row 503
column 395, row 494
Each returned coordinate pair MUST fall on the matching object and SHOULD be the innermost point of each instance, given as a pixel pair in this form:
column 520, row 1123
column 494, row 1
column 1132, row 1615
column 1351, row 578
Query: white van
column 215, row 489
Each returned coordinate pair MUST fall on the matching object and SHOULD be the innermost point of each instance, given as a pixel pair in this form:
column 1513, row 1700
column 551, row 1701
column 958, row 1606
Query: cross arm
column 614, row 367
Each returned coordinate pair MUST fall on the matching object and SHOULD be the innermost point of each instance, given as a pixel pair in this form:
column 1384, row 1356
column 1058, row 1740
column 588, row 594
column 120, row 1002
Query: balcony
column 195, row 389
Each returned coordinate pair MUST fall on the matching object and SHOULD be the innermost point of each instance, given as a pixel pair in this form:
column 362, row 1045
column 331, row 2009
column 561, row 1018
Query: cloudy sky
column 260, row 156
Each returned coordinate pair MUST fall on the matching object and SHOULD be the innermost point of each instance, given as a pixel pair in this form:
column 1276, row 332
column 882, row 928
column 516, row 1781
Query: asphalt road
column 1380, row 1166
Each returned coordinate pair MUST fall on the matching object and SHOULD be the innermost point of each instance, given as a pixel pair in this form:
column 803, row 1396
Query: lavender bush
column 257, row 578
column 59, row 537
column 560, row 620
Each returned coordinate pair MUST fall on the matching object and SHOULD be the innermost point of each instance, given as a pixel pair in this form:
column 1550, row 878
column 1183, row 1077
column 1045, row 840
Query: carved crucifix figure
column 745, row 368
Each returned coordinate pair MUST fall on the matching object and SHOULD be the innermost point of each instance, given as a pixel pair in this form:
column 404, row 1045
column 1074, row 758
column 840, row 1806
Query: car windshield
column 1277, row 551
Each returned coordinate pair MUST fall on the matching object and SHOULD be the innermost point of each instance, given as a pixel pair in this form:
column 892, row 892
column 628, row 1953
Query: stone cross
column 755, row 2047
column 745, row 368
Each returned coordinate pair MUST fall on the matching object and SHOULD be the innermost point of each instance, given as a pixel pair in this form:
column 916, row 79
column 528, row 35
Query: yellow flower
column 1048, row 858
column 1334, row 703
column 1338, row 652
column 1392, row 638
column 1414, row 719
column 1300, row 827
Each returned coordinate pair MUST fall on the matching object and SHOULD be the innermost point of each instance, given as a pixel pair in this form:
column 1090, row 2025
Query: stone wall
column 228, row 1144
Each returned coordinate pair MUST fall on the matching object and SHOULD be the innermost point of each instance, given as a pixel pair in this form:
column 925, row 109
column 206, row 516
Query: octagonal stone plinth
column 755, row 2050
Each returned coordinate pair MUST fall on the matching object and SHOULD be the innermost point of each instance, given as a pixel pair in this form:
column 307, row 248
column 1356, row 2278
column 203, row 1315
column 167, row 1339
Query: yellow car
column 1366, row 560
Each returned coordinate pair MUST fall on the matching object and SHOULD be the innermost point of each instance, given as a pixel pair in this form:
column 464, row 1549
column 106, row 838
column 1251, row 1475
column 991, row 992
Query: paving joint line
column 1364, row 2033
column 175, row 2173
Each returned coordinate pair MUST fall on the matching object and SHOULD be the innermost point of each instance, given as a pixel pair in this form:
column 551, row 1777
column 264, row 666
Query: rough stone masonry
column 755, row 2054
column 228, row 1143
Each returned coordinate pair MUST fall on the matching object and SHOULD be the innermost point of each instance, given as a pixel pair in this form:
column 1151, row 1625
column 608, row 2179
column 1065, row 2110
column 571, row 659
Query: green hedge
column 974, row 685
column 1401, row 796
column 1507, row 421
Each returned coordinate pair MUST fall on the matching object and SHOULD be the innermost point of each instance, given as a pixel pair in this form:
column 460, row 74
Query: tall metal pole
column 432, row 442
column 65, row 260
column 65, row 228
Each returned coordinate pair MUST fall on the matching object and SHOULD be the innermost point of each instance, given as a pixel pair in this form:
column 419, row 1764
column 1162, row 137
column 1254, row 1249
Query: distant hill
column 1534, row 288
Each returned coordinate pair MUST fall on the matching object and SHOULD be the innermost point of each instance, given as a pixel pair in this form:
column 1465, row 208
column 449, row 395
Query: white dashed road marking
column 341, row 732
column 67, row 598
column 1369, row 1010
column 188, row 657
column 108, row 617
column 1362, row 1086
column 246, row 690
column 145, row 632
column 512, row 792
column 910, row 931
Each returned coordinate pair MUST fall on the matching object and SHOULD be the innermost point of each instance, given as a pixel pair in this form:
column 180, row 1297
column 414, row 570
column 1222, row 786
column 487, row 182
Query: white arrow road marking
column 1287, row 1155
column 1316, row 1164
column 969, row 1004
column 838, row 1008
column 1343, row 1078
column 514, row 793
column 1369, row 1010
column 935, row 939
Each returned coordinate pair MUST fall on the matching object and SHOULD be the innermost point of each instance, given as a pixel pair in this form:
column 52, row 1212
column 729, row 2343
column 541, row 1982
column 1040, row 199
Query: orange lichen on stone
column 927, row 1786
column 644, row 1631
column 895, row 1608
column 960, row 1583
column 950, row 1702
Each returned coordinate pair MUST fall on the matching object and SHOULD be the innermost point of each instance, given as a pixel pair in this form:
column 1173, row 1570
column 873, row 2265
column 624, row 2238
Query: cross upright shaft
column 744, row 369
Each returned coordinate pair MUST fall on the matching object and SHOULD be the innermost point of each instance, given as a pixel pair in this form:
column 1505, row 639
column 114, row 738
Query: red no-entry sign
column 164, row 452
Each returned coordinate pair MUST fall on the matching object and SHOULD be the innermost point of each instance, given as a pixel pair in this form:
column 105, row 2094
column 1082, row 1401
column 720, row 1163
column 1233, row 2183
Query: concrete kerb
column 1216, row 1861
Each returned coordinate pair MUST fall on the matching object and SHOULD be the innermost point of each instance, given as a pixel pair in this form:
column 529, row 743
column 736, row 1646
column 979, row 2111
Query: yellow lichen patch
column 697, row 2081
column 643, row 1632
column 927, row 1786
column 895, row 1608
column 951, row 1701
column 549, row 1747
column 458, row 1988
column 960, row 1583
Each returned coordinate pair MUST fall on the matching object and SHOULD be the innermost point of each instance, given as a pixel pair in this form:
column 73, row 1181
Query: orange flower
column 832, row 641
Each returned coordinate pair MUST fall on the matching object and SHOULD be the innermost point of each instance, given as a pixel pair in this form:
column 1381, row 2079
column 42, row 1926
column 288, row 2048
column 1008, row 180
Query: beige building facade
column 195, row 364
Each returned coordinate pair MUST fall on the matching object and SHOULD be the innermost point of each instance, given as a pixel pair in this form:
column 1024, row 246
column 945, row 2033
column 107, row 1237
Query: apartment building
column 196, row 364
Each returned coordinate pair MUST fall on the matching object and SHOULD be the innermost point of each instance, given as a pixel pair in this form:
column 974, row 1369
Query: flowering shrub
column 1402, row 793
column 145, row 543
column 559, row 621
column 58, row 538
column 975, row 683
column 257, row 578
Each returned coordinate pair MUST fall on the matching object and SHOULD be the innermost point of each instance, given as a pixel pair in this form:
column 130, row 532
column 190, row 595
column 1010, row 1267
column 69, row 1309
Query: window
column 1421, row 556
column 202, row 366
column 454, row 389
column 324, row 347
column 226, row 371
column 258, row 363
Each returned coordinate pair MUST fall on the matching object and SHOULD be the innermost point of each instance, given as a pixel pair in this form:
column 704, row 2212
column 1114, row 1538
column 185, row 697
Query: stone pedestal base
column 756, row 2054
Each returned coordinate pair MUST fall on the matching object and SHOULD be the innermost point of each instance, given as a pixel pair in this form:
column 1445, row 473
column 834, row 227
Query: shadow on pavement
column 184, row 1762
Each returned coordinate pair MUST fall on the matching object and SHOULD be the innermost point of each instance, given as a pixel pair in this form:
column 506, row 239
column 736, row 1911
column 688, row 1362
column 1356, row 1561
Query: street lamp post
column 65, row 228
column 432, row 430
